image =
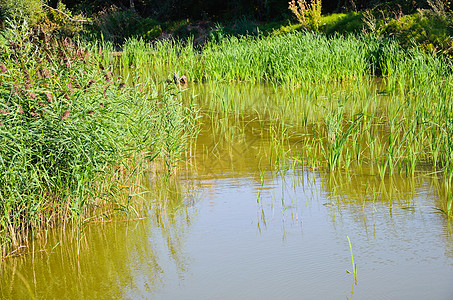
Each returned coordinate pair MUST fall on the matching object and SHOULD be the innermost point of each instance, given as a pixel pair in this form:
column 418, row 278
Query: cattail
column 65, row 115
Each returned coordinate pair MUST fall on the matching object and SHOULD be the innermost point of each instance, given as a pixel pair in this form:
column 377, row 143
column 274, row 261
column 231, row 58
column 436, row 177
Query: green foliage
column 350, row 23
column 20, row 9
column 67, row 126
column 60, row 21
column 327, row 21
column 117, row 25
column 433, row 33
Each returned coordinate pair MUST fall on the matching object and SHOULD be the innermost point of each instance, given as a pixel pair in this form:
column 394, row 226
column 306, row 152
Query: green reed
column 73, row 136
column 315, row 87
column 354, row 265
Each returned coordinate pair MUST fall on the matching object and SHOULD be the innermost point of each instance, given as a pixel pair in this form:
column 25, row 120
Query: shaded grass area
column 74, row 139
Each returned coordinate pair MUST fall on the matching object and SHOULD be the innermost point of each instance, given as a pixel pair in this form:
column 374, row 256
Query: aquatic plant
column 354, row 266
column 322, row 84
column 71, row 131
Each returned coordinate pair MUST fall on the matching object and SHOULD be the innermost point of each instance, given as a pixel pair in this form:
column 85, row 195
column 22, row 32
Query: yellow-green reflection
column 277, row 169
column 100, row 260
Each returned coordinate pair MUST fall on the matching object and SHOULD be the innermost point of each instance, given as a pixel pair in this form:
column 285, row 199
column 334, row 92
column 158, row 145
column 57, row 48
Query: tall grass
column 300, row 57
column 71, row 131
column 324, row 84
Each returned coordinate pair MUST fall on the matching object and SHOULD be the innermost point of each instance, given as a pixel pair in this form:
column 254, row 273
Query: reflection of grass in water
column 350, row 126
column 109, row 245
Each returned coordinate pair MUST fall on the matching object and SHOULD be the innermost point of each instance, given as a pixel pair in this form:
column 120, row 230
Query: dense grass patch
column 295, row 58
column 71, row 131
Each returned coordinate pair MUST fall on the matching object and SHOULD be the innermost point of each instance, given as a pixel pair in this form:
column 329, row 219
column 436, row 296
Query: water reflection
column 117, row 259
column 246, row 219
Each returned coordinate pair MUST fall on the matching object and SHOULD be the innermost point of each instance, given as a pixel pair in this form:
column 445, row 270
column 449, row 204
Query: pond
column 247, row 218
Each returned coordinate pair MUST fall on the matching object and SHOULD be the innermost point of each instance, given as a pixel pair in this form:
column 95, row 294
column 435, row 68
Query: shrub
column 350, row 23
column 433, row 33
column 20, row 9
column 308, row 14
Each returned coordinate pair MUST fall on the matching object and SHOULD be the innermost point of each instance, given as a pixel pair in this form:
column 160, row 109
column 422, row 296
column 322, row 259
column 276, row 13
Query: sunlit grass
column 73, row 137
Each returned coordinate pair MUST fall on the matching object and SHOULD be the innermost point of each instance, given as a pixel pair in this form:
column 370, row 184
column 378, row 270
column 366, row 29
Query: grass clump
column 70, row 131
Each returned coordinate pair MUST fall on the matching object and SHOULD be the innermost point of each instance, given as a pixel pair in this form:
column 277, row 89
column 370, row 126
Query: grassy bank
column 74, row 139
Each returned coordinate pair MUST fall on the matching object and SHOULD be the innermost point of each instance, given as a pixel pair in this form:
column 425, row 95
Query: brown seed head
column 90, row 83
column 183, row 80
column 45, row 73
column 69, row 85
column 65, row 115
column 49, row 97
column 107, row 76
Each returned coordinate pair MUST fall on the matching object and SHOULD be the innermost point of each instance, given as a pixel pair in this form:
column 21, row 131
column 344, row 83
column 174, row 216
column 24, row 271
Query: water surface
column 246, row 220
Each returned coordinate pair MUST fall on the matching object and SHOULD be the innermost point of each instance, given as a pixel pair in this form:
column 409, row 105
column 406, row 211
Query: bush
column 350, row 23
column 117, row 25
column 20, row 9
column 433, row 33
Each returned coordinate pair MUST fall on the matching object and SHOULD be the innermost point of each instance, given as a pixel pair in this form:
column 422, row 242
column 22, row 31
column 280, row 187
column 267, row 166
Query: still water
column 244, row 219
